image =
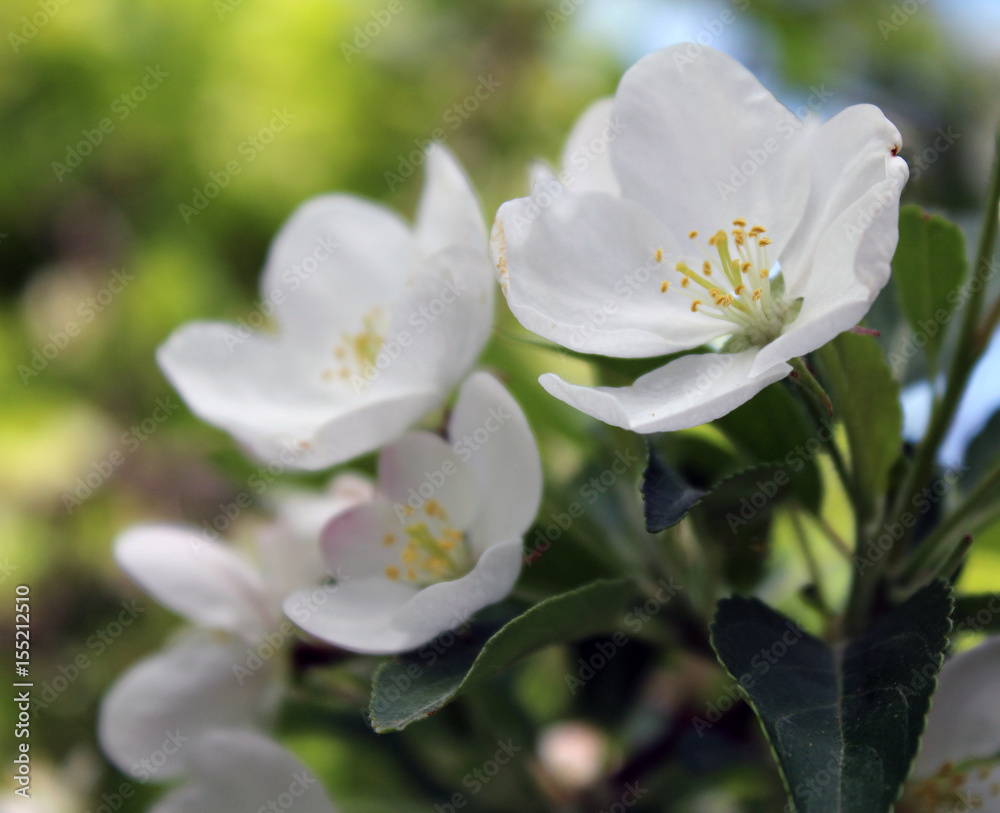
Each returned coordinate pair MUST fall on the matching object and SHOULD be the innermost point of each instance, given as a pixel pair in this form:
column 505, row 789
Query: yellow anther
column 392, row 572
column 447, row 545
column 739, row 236
column 411, row 574
column 764, row 273
column 756, row 295
column 740, row 222
column 746, row 267
column 715, row 293
column 659, row 255
column 685, row 282
column 344, row 372
column 409, row 555
column 739, row 289
column 664, row 285
column 388, row 539
column 713, row 238
column 339, row 353
column 408, row 510
column 692, row 234
column 757, row 230
column 764, row 241
column 725, row 301
column 434, row 509
column 694, row 305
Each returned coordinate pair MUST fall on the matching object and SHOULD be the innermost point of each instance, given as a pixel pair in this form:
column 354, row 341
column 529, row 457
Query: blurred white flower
column 693, row 207
column 958, row 767
column 373, row 322
column 206, row 680
column 239, row 771
column 442, row 540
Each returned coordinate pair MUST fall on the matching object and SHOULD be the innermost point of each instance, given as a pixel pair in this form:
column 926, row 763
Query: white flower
column 692, row 207
column 374, row 323
column 443, row 539
column 958, row 767
column 239, row 771
column 204, row 681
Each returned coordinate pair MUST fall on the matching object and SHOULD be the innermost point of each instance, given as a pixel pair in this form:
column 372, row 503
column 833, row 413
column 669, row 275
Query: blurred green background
column 100, row 262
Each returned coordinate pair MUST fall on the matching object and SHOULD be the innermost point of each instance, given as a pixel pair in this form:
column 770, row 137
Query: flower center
column 433, row 550
column 943, row 792
column 736, row 289
column 355, row 356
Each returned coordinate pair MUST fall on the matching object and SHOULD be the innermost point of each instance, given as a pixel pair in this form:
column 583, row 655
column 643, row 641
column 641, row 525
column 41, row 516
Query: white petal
column 446, row 605
column 586, row 157
column 208, row 583
column 841, row 255
column 273, row 398
column 163, row 702
column 965, row 713
column 289, row 547
column 442, row 323
column 354, row 543
column 423, row 467
column 240, row 771
column 489, row 429
column 703, row 142
column 689, row 391
column 448, row 213
column 335, row 259
column 356, row 615
column 582, row 272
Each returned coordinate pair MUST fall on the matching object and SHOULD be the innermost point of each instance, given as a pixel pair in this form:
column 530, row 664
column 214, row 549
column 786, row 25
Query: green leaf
column 866, row 399
column 667, row 497
column 982, row 453
column 416, row 685
column 978, row 612
column 844, row 722
column 774, row 428
column 929, row 263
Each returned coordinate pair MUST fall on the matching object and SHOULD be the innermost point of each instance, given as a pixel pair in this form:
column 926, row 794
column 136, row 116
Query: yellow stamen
column 410, row 555
column 756, row 295
column 757, row 230
column 392, row 572
column 694, row 305
column 739, row 236
column 659, row 255
column 746, row 267
column 664, row 285
column 740, row 222
column 411, row 574
column 739, row 289
column 434, row 509
column 764, row 241
column 685, row 282
column 388, row 539
column 764, row 273
column 692, row 234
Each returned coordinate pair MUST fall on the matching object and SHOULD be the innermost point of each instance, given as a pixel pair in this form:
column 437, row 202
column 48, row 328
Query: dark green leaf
column 774, row 428
column 416, row 685
column 978, row 613
column 982, row 454
column 844, row 723
column 866, row 399
column 929, row 264
column 667, row 497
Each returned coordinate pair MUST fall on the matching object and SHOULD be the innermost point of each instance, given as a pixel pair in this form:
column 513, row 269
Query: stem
column 815, row 573
column 970, row 346
column 835, row 539
column 808, row 382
